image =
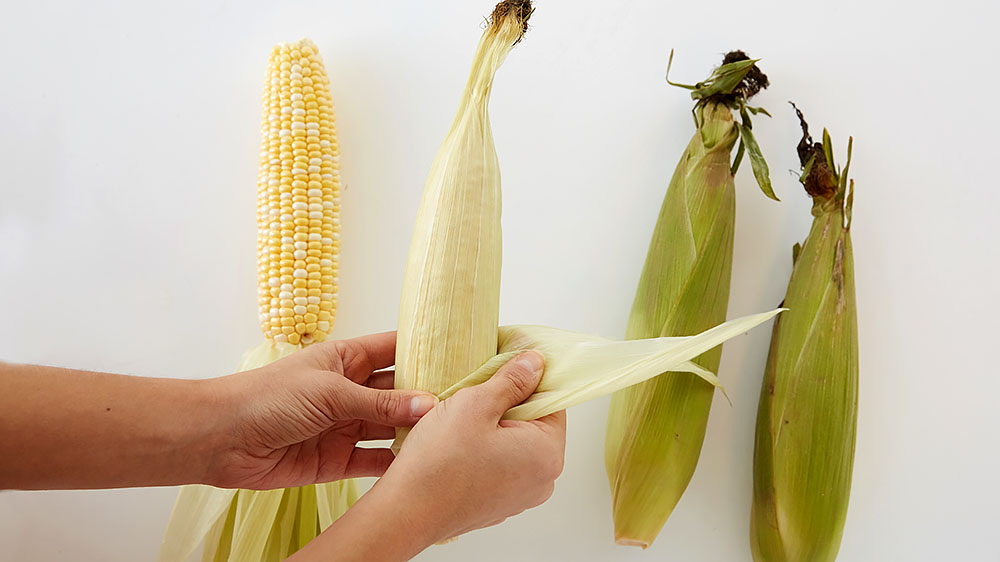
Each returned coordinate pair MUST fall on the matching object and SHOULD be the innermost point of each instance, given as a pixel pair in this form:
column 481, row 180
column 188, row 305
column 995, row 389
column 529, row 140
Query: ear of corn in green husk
column 655, row 429
column 807, row 415
column 447, row 335
column 298, row 244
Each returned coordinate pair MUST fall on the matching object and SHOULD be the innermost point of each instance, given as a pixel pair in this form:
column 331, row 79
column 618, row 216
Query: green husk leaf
column 806, row 169
column 670, row 64
column 847, row 165
column 757, row 162
column 849, row 206
column 739, row 158
column 828, row 150
column 724, row 80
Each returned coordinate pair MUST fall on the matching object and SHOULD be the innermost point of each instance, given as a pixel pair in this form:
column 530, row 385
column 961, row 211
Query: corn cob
column 807, row 415
column 450, row 304
column 298, row 203
column 298, row 242
column 655, row 429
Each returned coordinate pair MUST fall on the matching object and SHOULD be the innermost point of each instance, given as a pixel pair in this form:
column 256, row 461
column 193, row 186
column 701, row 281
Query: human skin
column 294, row 422
column 461, row 468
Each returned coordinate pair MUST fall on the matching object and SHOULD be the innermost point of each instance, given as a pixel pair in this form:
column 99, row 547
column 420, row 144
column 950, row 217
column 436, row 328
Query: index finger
column 379, row 349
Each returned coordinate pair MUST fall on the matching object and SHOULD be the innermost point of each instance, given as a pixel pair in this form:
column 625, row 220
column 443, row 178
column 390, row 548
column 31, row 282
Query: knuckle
column 337, row 397
column 352, row 357
column 330, row 355
column 386, row 405
column 520, row 381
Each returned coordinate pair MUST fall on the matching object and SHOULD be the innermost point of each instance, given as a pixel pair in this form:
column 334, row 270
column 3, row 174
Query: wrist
column 412, row 509
column 210, row 429
column 386, row 524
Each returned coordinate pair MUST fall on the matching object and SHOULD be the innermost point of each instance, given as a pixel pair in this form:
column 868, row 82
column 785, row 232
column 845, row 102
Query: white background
column 128, row 150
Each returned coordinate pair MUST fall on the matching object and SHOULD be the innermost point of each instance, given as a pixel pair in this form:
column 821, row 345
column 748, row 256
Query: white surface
column 128, row 147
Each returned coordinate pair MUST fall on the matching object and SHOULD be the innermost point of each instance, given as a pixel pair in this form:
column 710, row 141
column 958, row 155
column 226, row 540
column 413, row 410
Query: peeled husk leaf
column 579, row 367
column 241, row 525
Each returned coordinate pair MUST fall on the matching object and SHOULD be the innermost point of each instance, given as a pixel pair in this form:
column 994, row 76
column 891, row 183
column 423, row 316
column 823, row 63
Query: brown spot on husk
column 821, row 181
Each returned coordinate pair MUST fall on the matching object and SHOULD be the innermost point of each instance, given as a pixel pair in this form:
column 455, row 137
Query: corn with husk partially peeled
column 450, row 305
column 807, row 416
column 298, row 225
column 448, row 337
column 655, row 430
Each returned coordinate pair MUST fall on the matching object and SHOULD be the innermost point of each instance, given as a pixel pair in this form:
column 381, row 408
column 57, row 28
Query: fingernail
column 420, row 405
column 532, row 360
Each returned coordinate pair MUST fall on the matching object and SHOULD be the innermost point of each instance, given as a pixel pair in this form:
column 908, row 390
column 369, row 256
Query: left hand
column 298, row 420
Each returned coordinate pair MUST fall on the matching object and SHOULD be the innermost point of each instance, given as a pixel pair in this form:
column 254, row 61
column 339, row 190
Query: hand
column 298, row 420
column 464, row 468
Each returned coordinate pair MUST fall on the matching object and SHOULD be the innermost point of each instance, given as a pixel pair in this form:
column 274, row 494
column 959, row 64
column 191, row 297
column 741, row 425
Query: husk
column 807, row 415
column 579, row 367
column 250, row 525
column 449, row 308
column 655, row 429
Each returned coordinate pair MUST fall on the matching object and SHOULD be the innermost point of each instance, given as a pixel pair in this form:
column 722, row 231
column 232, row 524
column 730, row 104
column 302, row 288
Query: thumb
column 513, row 383
column 396, row 408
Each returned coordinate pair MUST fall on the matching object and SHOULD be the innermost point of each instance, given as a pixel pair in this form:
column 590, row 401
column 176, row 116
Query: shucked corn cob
column 298, row 198
column 807, row 416
column 655, row 429
column 298, row 205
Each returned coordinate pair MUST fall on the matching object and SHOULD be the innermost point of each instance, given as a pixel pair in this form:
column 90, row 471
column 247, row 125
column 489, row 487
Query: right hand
column 463, row 468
